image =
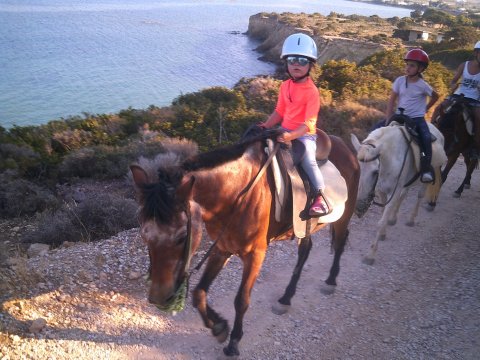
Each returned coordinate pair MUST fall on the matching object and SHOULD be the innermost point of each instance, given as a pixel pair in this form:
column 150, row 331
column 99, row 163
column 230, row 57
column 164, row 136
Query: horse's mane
column 166, row 171
column 370, row 147
column 220, row 156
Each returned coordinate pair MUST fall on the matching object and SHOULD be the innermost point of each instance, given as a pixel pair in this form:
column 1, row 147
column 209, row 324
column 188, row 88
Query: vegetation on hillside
column 35, row 159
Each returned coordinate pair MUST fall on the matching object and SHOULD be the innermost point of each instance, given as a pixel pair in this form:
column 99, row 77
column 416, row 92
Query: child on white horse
column 411, row 92
column 297, row 110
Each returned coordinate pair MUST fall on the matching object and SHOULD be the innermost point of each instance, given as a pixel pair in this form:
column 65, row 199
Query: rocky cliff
column 271, row 30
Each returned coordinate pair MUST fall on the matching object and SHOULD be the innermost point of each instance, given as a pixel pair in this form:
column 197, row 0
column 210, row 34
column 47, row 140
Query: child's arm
column 433, row 100
column 391, row 104
column 272, row 120
column 456, row 77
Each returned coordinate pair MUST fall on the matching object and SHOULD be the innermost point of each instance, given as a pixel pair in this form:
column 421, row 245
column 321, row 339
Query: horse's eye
column 180, row 240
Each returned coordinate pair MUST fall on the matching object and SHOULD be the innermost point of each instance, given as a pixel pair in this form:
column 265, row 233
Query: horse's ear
column 140, row 177
column 355, row 142
column 185, row 188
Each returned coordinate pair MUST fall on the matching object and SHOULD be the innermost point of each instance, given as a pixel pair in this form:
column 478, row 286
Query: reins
column 401, row 170
column 242, row 193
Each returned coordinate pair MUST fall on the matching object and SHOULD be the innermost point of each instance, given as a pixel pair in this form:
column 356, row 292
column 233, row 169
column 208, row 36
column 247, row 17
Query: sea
column 63, row 58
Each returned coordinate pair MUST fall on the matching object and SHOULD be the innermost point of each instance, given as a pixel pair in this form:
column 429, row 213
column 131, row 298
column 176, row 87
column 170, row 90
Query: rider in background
column 469, row 71
column 297, row 110
column 410, row 92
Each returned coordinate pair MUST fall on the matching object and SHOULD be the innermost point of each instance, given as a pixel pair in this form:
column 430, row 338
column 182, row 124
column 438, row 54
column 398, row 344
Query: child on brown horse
column 469, row 71
column 297, row 110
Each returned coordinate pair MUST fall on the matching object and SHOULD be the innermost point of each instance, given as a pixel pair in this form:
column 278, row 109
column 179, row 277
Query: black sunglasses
column 300, row 60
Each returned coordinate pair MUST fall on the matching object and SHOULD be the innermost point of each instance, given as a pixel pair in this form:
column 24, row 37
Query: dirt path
column 420, row 300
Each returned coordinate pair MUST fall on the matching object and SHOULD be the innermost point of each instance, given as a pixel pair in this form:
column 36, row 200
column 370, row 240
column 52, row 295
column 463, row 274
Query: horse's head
column 368, row 156
column 170, row 225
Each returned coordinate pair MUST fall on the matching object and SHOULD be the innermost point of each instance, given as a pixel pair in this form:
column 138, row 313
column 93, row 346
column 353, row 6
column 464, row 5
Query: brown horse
column 451, row 118
column 212, row 187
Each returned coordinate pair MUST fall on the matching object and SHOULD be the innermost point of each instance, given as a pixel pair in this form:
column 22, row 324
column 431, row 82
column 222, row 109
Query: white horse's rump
column 387, row 164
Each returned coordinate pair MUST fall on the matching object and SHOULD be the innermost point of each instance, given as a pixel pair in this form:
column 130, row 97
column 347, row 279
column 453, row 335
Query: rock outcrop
column 271, row 31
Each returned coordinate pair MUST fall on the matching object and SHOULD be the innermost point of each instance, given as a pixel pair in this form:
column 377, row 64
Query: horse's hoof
column 410, row 223
column 368, row 260
column 382, row 237
column 392, row 222
column 280, row 309
column 326, row 289
column 231, row 349
column 220, row 331
column 456, row 195
column 466, row 186
column 430, row 206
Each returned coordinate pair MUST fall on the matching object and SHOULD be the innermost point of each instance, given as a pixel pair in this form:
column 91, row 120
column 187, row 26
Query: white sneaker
column 427, row 177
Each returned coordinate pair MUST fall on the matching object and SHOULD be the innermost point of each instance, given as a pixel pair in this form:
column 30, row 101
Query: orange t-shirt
column 298, row 103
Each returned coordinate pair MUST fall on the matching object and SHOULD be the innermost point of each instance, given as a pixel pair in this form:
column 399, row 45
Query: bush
column 97, row 217
column 105, row 162
column 20, row 197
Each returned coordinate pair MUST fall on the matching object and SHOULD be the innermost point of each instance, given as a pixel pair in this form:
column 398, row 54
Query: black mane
column 226, row 154
column 159, row 198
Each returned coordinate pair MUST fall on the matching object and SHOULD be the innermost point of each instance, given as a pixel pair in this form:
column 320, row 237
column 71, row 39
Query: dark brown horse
column 451, row 118
column 208, row 187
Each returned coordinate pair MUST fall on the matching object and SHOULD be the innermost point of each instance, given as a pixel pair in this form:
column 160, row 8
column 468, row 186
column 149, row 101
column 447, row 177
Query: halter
column 242, row 193
column 398, row 177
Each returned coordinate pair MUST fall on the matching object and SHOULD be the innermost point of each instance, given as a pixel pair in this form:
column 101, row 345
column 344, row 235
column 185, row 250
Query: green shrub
column 20, row 197
column 105, row 162
column 97, row 217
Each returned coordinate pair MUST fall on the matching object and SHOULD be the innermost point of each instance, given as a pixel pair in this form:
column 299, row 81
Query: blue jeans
column 425, row 138
column 309, row 162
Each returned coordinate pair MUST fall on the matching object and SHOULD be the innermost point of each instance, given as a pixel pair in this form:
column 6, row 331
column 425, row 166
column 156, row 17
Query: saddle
column 457, row 104
column 291, row 184
column 438, row 154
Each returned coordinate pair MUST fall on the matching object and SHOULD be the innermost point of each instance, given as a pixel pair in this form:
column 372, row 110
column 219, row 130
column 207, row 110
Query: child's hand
column 284, row 137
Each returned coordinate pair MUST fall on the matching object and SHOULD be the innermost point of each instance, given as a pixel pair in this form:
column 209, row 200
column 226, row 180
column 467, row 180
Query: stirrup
column 322, row 208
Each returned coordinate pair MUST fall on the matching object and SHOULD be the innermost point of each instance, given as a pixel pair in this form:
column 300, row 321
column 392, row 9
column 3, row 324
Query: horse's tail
column 433, row 190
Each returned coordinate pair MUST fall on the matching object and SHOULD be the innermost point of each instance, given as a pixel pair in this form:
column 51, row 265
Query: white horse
column 389, row 166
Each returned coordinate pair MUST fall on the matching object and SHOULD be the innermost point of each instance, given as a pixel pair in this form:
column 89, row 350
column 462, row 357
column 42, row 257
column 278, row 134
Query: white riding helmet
column 299, row 44
column 477, row 46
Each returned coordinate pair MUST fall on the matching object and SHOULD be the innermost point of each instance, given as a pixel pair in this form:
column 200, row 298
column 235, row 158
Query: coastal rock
column 272, row 31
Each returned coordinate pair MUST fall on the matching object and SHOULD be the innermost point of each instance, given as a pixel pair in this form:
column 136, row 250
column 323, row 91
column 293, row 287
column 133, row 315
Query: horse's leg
column 252, row 262
column 339, row 233
column 382, row 229
column 283, row 304
column 211, row 319
column 392, row 214
column 450, row 162
column 433, row 190
column 468, row 176
column 420, row 196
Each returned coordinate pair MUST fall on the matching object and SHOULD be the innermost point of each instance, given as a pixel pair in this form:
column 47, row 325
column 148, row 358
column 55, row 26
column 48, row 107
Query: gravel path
column 420, row 300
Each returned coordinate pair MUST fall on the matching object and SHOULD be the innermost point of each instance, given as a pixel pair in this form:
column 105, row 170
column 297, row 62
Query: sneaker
column 426, row 177
column 319, row 207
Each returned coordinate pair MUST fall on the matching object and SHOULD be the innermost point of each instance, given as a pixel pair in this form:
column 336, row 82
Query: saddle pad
column 439, row 158
column 335, row 192
column 279, row 183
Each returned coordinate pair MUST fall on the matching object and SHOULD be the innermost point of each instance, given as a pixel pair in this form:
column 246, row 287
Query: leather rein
column 188, row 245
column 401, row 170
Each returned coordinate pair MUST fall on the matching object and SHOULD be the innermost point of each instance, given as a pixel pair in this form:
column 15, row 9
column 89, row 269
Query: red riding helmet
column 419, row 56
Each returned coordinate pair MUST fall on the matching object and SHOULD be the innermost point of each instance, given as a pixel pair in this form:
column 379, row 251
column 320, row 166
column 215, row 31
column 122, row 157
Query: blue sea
column 61, row 58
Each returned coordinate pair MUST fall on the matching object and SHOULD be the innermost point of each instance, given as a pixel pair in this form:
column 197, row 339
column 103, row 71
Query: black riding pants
column 425, row 138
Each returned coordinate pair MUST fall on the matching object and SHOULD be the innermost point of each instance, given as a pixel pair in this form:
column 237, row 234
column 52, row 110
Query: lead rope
column 401, row 170
column 242, row 193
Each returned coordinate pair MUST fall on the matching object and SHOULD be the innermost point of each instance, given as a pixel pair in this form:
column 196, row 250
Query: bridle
column 188, row 246
column 398, row 177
